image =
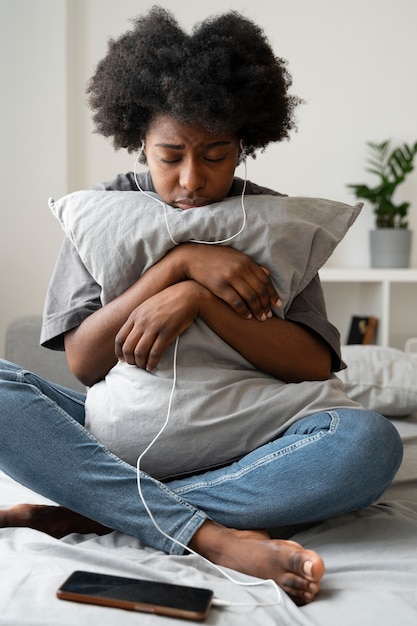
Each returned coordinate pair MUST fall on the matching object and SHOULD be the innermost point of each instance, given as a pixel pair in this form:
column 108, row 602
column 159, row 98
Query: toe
column 308, row 564
column 299, row 589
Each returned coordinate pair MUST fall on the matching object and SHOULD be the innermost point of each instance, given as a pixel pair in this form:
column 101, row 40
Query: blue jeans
column 324, row 465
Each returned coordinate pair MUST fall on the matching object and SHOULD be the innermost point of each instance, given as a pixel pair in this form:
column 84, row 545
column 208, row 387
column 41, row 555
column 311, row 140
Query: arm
column 284, row 349
column 281, row 348
column 94, row 346
column 139, row 325
column 90, row 347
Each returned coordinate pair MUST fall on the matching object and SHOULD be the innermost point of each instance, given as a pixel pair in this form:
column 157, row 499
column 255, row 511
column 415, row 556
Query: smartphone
column 137, row 595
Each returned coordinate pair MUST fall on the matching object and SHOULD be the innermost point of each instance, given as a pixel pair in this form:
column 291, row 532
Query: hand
column 232, row 276
column 155, row 324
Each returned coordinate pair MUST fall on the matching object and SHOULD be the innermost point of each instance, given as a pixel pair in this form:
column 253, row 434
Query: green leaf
column 390, row 166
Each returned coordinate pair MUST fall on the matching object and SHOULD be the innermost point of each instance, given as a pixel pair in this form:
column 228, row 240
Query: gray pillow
column 120, row 234
column 382, row 379
column 223, row 407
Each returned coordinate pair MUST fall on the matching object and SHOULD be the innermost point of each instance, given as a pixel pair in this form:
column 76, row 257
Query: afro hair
column 223, row 77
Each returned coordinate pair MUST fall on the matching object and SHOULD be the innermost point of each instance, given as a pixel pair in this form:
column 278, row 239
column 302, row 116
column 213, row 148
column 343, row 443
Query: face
column 189, row 166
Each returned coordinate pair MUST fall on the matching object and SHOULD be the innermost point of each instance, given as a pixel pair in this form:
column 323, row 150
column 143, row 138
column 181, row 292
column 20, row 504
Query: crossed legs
column 214, row 514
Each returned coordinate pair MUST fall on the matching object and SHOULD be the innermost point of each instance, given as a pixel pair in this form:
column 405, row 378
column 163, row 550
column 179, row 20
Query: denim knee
column 378, row 454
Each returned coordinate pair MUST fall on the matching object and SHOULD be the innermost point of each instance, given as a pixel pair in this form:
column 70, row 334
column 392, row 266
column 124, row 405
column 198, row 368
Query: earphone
column 217, row 602
column 242, row 148
column 218, row 241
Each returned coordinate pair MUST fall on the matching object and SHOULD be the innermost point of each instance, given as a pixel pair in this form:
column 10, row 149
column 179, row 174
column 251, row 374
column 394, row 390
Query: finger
column 255, row 290
column 142, row 351
column 274, row 298
column 259, row 304
column 151, row 348
column 245, row 298
column 154, row 354
column 120, row 339
column 234, row 299
column 132, row 346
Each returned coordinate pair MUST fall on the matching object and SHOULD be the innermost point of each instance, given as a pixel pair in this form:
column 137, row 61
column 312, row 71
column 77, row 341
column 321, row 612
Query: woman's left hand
column 230, row 275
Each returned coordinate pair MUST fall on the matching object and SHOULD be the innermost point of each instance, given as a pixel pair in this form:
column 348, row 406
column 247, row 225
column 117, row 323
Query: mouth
column 191, row 203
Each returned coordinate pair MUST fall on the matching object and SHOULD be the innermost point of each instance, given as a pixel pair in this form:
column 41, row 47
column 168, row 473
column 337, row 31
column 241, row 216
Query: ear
column 241, row 156
column 141, row 158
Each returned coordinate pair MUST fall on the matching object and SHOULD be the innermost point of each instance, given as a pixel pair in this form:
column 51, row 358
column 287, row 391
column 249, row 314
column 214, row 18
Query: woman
column 194, row 106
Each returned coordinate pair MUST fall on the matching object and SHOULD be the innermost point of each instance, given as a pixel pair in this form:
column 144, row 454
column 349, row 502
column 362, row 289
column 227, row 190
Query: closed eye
column 214, row 160
column 177, row 160
column 169, row 161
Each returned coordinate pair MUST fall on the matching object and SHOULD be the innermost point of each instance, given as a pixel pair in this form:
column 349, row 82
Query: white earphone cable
column 217, row 601
column 163, row 204
column 179, row 543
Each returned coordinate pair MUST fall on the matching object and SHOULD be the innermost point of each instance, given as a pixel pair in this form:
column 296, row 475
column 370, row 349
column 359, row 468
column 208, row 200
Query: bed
column 370, row 555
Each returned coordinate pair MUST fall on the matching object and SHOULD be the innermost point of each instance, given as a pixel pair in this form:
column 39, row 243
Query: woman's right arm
column 90, row 347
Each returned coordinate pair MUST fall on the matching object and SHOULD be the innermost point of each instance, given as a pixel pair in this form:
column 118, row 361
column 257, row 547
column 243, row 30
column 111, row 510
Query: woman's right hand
column 155, row 324
column 232, row 276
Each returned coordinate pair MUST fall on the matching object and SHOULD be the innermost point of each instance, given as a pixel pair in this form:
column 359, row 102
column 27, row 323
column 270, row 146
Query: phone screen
column 137, row 595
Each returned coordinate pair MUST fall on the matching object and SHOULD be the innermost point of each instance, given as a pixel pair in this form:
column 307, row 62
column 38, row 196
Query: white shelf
column 388, row 294
column 367, row 275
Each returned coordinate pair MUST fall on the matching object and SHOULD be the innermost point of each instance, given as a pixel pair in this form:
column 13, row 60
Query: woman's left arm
column 289, row 351
column 284, row 349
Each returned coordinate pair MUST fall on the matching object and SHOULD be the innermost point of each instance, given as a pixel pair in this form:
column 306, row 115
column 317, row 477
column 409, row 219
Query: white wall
column 353, row 61
column 33, row 149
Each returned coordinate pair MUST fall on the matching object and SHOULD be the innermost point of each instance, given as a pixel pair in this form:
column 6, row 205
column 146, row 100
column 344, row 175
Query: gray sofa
column 22, row 347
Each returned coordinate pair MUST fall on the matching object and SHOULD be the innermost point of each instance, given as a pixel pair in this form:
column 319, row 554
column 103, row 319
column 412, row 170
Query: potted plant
column 391, row 241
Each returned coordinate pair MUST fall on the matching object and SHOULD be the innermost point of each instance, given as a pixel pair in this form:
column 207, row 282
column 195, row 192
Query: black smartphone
column 137, row 595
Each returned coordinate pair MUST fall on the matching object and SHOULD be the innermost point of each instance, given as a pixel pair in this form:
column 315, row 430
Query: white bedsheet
column 370, row 556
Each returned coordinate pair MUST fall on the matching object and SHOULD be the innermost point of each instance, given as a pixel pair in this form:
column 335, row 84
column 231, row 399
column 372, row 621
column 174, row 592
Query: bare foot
column 296, row 570
column 52, row 520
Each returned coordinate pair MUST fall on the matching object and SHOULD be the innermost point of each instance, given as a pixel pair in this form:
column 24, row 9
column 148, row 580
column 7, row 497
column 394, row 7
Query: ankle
column 210, row 539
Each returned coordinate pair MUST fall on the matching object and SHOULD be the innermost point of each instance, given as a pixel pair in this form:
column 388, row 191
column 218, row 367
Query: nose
column 191, row 176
